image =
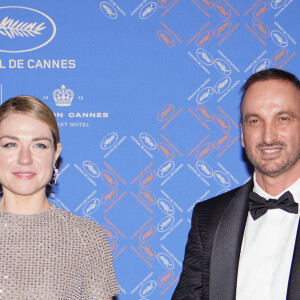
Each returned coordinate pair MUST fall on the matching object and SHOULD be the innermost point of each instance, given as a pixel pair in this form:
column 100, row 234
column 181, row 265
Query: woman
column 45, row 252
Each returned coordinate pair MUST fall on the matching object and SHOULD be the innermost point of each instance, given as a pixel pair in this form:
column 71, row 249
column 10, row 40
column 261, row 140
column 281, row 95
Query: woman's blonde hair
column 33, row 107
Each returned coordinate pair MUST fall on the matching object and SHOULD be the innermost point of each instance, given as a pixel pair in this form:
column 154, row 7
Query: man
column 242, row 246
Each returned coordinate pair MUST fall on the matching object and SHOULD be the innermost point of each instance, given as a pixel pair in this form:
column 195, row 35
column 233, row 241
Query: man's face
column 270, row 130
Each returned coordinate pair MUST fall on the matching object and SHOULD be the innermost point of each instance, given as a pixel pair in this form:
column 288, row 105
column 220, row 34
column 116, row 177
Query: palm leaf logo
column 11, row 28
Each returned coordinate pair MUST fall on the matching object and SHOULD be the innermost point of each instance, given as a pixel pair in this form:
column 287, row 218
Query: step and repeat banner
column 146, row 94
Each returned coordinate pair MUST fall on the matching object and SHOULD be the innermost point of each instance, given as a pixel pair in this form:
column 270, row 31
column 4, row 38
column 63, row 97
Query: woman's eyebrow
column 41, row 138
column 9, row 137
column 34, row 139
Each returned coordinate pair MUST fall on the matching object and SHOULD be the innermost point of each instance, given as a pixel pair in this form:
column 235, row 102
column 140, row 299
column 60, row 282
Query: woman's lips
column 24, row 175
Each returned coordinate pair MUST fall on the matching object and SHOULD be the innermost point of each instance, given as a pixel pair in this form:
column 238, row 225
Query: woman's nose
column 25, row 156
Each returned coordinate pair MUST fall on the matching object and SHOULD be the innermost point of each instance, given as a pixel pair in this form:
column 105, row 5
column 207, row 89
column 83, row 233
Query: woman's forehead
column 23, row 123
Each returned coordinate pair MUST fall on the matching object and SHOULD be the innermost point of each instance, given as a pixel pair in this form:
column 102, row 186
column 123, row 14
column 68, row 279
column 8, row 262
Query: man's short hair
column 268, row 74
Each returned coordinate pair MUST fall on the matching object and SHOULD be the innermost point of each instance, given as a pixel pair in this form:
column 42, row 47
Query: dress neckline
column 44, row 212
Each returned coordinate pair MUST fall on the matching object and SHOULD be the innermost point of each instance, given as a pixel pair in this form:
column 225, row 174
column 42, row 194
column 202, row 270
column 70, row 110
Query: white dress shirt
column 267, row 251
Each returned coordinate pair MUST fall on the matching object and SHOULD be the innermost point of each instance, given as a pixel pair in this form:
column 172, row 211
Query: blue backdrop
column 146, row 95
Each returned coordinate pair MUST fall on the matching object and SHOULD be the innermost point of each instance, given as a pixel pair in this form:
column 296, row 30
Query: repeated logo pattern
column 149, row 109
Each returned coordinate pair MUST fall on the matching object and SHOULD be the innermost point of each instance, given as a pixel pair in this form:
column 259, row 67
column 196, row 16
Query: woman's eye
column 9, row 145
column 39, row 145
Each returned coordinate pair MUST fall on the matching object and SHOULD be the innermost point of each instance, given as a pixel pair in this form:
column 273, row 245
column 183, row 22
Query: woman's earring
column 54, row 177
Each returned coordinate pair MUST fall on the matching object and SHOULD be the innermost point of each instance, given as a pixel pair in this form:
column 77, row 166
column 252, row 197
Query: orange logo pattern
column 169, row 73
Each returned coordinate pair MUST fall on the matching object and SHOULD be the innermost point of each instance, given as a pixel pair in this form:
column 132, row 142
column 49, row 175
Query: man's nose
column 270, row 133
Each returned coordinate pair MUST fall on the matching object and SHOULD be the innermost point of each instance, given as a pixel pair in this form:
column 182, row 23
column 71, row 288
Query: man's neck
column 275, row 185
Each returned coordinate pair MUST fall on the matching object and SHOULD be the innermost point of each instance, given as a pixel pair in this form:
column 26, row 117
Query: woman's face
column 27, row 155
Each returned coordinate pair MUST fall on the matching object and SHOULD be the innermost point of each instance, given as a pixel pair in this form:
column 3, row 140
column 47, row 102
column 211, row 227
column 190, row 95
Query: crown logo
column 63, row 96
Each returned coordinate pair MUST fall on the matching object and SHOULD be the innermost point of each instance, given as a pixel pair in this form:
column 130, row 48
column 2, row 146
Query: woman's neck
column 24, row 205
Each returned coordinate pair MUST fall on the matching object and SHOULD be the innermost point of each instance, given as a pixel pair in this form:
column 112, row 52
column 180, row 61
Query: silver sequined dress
column 54, row 255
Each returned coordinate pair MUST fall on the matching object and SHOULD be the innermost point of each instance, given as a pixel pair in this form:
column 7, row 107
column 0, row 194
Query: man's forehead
column 269, row 85
column 266, row 91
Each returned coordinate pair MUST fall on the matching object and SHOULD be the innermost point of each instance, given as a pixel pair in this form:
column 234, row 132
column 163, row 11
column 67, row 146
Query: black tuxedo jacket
column 212, row 252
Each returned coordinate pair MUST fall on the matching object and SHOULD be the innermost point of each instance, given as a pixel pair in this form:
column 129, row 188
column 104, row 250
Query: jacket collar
column 226, row 250
column 294, row 280
column 227, row 244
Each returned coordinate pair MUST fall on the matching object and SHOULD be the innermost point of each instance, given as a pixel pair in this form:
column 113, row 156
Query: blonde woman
column 45, row 252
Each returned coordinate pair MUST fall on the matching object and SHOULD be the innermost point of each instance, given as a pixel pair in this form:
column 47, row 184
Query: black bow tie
column 258, row 205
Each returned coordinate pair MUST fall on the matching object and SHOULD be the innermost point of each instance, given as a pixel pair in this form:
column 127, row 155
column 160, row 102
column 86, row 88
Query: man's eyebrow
column 283, row 112
column 248, row 115
column 286, row 112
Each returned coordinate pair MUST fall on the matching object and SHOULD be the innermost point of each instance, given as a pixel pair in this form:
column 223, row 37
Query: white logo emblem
column 261, row 65
column 90, row 168
column 275, row 4
column 147, row 140
column 165, row 206
column 91, row 206
column 204, row 95
column 63, row 96
column 205, row 57
column 222, row 179
column 33, row 31
column 279, row 39
column 165, row 260
column 204, row 168
column 109, row 141
column 148, row 288
column 222, row 85
column 165, row 223
column 222, row 66
column 166, row 168
column 108, row 10
column 147, row 10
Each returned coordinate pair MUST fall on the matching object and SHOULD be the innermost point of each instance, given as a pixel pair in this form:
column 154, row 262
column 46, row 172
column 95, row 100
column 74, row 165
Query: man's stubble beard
column 276, row 168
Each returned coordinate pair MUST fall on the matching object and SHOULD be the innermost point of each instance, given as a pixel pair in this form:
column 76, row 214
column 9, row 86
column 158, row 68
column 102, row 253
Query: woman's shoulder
column 82, row 225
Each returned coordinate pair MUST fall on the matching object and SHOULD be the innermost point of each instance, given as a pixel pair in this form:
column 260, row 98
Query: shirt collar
column 294, row 189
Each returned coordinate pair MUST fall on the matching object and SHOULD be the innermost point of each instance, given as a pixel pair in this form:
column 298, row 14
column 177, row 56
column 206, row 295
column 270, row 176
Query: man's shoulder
column 219, row 199
column 207, row 214
column 219, row 203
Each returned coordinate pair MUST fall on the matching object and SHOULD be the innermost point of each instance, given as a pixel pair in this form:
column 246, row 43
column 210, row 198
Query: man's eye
column 253, row 121
column 284, row 118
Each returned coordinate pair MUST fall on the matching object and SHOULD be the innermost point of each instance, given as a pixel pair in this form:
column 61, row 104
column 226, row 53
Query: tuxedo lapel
column 294, row 280
column 227, row 245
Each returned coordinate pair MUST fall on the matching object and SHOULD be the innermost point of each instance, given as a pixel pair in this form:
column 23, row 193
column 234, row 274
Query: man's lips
column 271, row 150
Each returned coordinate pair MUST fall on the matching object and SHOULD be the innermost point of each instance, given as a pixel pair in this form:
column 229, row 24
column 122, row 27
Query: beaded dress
column 54, row 255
